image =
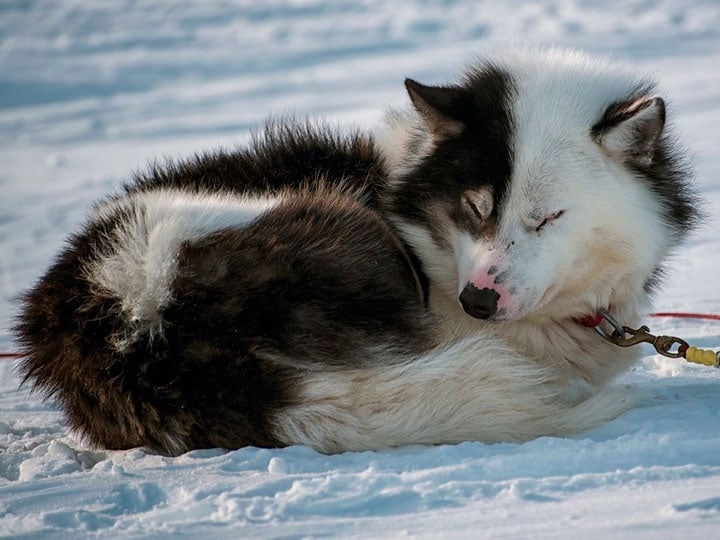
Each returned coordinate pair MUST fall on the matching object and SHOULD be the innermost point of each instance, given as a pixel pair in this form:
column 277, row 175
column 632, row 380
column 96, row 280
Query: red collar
column 591, row 321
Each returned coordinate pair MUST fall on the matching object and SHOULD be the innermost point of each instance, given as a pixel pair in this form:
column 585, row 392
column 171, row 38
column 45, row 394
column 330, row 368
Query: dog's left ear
column 629, row 131
column 438, row 106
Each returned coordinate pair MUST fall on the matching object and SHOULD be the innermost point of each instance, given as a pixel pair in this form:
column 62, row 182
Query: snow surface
column 91, row 90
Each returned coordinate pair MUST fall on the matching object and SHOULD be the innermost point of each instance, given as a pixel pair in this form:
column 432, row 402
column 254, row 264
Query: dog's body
column 348, row 293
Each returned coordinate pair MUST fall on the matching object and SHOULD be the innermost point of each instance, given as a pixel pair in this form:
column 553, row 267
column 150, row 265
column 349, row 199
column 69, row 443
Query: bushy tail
column 475, row 390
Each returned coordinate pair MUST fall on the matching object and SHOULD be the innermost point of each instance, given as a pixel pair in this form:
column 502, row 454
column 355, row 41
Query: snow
column 92, row 90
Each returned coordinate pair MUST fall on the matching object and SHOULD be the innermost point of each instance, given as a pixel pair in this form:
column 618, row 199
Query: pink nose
column 479, row 303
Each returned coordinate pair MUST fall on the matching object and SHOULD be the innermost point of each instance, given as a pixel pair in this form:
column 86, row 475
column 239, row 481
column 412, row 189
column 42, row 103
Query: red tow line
column 682, row 315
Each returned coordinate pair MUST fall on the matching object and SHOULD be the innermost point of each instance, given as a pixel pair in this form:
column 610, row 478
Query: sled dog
column 420, row 284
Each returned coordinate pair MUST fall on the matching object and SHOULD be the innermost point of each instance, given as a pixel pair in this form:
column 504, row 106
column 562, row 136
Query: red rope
column 682, row 315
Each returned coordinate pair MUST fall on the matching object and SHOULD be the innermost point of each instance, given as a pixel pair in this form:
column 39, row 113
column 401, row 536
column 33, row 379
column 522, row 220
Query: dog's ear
column 439, row 107
column 630, row 131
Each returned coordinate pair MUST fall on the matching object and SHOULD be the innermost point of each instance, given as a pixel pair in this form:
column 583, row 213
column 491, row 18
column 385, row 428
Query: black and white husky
column 419, row 285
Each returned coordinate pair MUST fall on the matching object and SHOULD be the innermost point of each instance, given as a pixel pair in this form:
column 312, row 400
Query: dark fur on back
column 310, row 283
column 284, row 155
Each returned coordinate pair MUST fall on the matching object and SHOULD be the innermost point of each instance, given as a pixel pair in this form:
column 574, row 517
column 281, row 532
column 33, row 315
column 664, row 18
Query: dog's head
column 542, row 184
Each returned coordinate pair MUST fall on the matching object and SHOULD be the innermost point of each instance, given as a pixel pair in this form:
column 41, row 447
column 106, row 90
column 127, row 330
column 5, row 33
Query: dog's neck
column 560, row 343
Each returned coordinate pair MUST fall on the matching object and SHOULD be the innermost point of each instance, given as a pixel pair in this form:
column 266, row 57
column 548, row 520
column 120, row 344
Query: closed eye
column 474, row 209
column 549, row 219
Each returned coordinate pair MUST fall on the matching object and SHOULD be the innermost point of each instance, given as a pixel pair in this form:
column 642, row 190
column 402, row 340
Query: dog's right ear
column 438, row 106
